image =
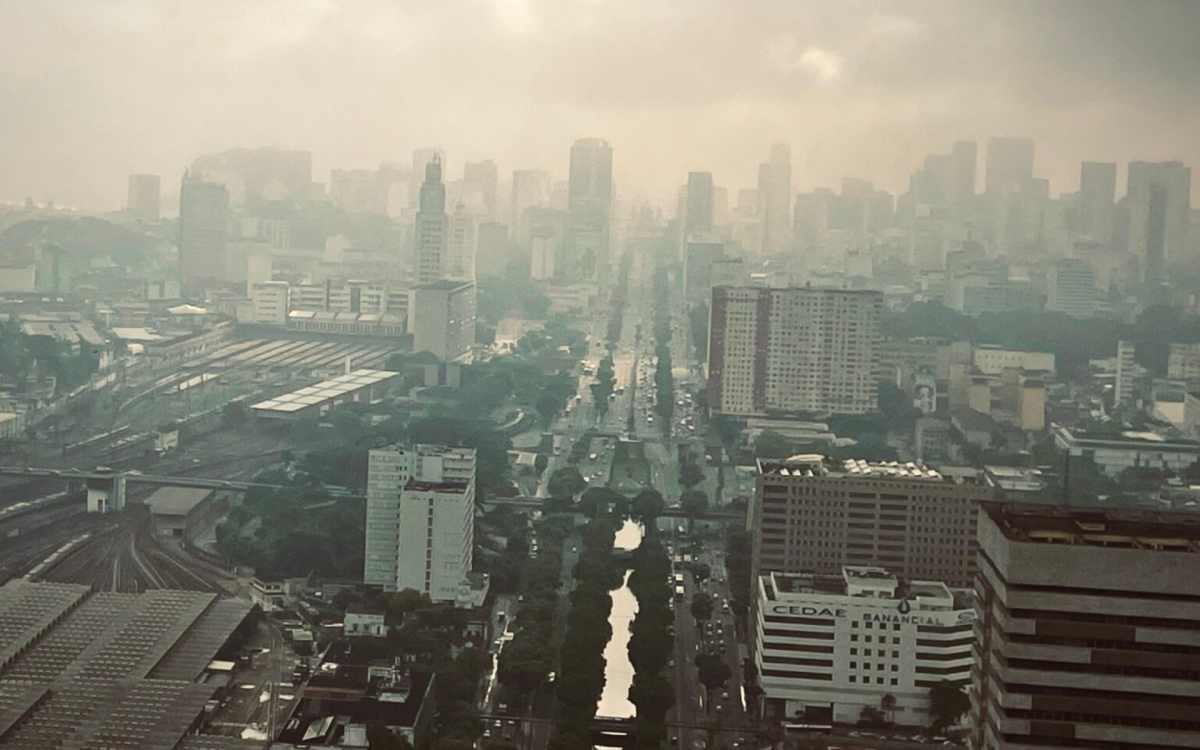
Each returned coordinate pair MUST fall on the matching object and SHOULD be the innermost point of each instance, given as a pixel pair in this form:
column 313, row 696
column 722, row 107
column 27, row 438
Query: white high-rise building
column 1126, row 366
column 432, row 226
column 420, row 531
column 775, row 199
column 792, row 350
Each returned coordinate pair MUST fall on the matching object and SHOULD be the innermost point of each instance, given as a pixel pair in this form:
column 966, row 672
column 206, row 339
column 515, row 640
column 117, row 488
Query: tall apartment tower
column 1165, row 211
column 203, row 231
column 1072, row 288
column 145, row 193
column 1097, row 200
column 813, row 514
column 589, row 205
column 699, row 220
column 1085, row 629
column 792, row 350
column 432, row 225
column 420, row 531
column 775, row 199
column 1123, row 386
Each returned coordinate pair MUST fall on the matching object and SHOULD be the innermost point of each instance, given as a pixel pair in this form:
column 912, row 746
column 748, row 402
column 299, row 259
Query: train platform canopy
column 102, row 669
column 316, row 399
column 176, row 501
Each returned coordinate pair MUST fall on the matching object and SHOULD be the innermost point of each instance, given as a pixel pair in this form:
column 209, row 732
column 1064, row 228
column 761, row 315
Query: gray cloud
column 96, row 90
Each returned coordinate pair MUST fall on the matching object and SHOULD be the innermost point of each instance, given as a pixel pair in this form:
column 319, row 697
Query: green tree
column 690, row 473
column 647, row 506
column 379, row 737
column 702, row 607
column 947, row 704
column 693, row 503
column 712, row 671
column 541, row 463
column 566, row 482
column 771, row 444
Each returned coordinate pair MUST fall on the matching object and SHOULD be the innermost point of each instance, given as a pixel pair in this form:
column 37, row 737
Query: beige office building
column 812, row 514
column 1086, row 630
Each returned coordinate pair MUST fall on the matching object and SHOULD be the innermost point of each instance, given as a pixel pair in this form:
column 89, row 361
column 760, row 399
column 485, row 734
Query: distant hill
column 83, row 238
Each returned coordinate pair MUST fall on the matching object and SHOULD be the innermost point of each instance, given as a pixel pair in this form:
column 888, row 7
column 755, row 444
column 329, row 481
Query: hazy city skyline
column 865, row 89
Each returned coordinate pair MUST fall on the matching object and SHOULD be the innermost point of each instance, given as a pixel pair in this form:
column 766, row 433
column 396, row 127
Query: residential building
column 441, row 318
column 145, row 194
column 829, row 647
column 793, row 350
column 431, row 226
column 992, row 360
column 420, row 519
column 1086, row 629
column 1126, row 366
column 203, row 231
column 1129, row 449
column 530, row 189
column 812, row 514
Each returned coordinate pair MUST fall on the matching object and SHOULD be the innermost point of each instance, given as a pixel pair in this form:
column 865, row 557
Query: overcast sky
column 92, row 90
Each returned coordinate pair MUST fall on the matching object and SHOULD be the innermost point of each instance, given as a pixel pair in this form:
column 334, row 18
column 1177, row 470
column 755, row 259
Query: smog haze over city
column 860, row 89
column 573, row 374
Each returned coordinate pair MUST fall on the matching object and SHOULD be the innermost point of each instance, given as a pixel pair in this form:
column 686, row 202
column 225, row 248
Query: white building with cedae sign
column 829, row 647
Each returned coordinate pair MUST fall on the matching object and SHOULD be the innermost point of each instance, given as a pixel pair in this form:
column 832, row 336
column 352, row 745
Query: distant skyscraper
column 431, row 225
column 792, row 350
column 964, row 155
column 589, row 205
column 530, row 189
column 1072, row 288
column 1152, row 212
column 480, row 184
column 420, row 160
column 1097, row 197
column 145, row 191
column 1009, row 170
column 460, row 248
column 203, row 230
column 699, row 204
column 1085, row 635
column 775, row 199
column 1009, row 165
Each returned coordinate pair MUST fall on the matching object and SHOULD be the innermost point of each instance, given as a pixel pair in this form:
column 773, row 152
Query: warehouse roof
column 326, row 390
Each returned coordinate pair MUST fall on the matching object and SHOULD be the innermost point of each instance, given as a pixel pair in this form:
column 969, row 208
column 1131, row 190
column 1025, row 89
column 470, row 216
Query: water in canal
column 618, row 675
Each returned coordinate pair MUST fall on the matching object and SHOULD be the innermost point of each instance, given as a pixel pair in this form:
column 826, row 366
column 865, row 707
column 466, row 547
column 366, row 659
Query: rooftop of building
column 106, row 669
column 819, row 465
column 1097, row 527
column 444, row 285
column 324, row 391
column 862, row 581
column 1118, row 436
column 176, row 501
